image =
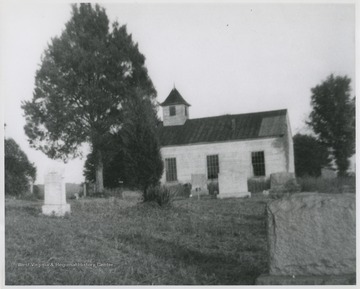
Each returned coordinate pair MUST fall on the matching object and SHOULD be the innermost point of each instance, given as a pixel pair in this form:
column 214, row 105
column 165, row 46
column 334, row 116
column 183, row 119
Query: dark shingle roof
column 225, row 128
column 174, row 98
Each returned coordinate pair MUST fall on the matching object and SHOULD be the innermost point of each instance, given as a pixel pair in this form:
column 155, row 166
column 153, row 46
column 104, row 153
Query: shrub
column 213, row 188
column 258, row 184
column 38, row 192
column 331, row 186
column 180, row 190
column 162, row 195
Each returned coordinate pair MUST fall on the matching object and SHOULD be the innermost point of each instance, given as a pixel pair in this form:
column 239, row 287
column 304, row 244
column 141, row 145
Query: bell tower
column 175, row 109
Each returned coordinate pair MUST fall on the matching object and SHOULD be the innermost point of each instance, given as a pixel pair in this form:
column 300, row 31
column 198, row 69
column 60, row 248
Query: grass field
column 122, row 242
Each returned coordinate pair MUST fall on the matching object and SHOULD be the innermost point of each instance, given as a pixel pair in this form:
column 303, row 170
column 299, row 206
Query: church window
column 170, row 168
column 172, row 110
column 258, row 163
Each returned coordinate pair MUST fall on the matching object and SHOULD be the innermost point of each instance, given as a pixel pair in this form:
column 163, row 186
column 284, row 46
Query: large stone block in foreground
column 312, row 234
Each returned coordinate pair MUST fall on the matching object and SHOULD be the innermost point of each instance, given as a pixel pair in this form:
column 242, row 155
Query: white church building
column 251, row 145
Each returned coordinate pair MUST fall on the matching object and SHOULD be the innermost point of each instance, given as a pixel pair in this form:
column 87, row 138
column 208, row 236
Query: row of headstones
column 231, row 185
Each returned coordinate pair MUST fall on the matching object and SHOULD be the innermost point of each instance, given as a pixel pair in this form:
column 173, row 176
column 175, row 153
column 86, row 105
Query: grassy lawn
column 122, row 242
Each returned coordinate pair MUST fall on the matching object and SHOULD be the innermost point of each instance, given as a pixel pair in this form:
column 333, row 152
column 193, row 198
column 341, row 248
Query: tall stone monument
column 55, row 195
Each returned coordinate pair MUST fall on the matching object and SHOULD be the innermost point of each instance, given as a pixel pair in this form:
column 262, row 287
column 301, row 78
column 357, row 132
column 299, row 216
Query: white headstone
column 232, row 185
column 55, row 195
column 199, row 185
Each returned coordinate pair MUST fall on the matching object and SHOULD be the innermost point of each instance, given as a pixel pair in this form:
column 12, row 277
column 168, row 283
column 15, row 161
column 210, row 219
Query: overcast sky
column 223, row 58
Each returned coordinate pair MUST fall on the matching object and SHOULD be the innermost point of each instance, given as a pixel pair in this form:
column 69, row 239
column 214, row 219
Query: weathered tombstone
column 232, row 185
column 55, row 196
column 84, row 189
column 199, row 185
column 311, row 240
column 284, row 182
column 328, row 173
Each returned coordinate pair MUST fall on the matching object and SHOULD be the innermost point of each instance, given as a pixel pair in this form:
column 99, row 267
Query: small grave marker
column 199, row 185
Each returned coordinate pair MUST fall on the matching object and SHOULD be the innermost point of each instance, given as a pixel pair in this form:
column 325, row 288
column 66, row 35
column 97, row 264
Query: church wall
column 233, row 156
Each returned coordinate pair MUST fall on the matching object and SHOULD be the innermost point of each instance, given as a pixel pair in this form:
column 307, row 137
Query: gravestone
column 199, row 185
column 55, row 196
column 284, row 182
column 311, row 240
column 232, row 185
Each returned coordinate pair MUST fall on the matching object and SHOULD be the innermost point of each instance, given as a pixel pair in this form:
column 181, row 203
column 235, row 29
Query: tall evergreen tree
column 86, row 77
column 333, row 119
column 142, row 157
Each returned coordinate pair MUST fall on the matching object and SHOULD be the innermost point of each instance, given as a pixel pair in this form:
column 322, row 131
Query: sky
column 224, row 58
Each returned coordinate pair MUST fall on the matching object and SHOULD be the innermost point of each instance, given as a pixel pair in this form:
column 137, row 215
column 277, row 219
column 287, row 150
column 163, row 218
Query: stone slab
column 232, row 184
column 282, row 183
column 198, row 185
column 234, row 195
column 312, row 234
column 280, row 179
column 346, row 279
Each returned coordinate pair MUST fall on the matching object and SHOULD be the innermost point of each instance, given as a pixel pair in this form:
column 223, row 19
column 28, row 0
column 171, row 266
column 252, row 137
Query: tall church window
column 172, row 110
column 170, row 168
column 212, row 166
column 258, row 163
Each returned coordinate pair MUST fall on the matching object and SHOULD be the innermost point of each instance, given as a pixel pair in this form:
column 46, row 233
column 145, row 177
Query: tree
column 86, row 77
column 142, row 157
column 114, row 166
column 310, row 155
column 135, row 159
column 18, row 170
column 333, row 119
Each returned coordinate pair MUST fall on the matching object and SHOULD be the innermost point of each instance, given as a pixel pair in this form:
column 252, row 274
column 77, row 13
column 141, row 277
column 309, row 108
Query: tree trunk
column 99, row 173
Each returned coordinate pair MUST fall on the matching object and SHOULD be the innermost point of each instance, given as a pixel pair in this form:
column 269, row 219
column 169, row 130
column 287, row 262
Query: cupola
column 175, row 109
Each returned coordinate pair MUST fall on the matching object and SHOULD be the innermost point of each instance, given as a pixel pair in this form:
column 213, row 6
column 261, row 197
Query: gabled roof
column 174, row 98
column 225, row 128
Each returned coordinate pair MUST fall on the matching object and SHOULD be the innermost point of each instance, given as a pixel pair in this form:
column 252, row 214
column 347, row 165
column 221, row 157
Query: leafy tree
column 18, row 170
column 113, row 166
column 333, row 119
column 310, row 155
column 86, row 77
column 136, row 158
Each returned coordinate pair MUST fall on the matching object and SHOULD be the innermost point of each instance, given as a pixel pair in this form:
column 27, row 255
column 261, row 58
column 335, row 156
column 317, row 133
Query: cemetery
column 226, row 198
column 285, row 237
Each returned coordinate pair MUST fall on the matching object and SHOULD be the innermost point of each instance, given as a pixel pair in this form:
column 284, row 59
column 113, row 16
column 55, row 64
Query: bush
column 213, row 188
column 162, row 195
column 258, row 184
column 38, row 192
column 331, row 186
column 180, row 190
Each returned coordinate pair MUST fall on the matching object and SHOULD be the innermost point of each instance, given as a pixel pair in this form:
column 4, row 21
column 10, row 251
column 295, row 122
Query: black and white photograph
column 178, row 143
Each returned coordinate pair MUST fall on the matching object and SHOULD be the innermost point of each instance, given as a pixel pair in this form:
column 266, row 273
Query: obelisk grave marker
column 55, row 196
